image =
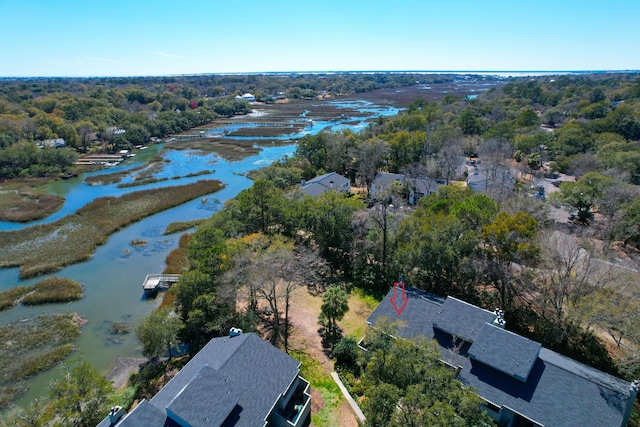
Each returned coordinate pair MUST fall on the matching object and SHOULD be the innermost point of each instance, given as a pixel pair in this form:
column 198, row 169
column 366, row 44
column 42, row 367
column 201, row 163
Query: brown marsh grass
column 23, row 204
column 47, row 248
column 178, row 226
column 176, row 261
column 54, row 290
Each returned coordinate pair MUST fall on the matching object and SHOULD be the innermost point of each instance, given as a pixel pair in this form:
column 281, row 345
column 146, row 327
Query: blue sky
column 132, row 37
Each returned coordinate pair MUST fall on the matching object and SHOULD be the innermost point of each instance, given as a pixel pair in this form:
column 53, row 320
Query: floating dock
column 155, row 282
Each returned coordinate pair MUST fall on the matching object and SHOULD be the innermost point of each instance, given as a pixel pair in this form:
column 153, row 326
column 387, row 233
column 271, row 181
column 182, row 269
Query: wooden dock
column 155, row 282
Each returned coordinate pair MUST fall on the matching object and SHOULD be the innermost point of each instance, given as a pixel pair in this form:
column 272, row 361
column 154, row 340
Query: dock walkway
column 154, row 282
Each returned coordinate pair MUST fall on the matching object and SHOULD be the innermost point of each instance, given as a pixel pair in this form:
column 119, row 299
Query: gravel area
column 122, row 370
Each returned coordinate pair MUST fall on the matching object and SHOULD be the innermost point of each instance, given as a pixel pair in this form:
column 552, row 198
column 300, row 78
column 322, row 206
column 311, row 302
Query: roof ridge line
column 236, row 349
column 595, row 379
column 469, row 304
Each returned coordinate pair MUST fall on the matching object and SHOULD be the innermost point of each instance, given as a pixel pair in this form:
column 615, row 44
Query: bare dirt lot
column 305, row 337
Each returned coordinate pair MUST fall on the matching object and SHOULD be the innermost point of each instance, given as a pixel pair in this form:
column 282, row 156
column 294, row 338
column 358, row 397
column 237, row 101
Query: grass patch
column 178, row 226
column 117, row 328
column 11, row 297
column 115, row 177
column 361, row 305
column 194, row 174
column 43, row 362
column 140, row 182
column 23, row 204
column 52, row 290
column 138, row 243
column 31, row 346
column 321, row 380
column 111, row 178
column 227, row 148
column 49, row 247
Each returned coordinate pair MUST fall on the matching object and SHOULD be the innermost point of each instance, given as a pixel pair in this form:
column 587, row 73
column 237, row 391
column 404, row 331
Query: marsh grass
column 176, row 262
column 11, row 297
column 31, row 346
column 117, row 328
column 23, row 204
column 178, row 226
column 228, row 149
column 110, row 178
column 115, row 177
column 140, row 182
column 138, row 243
column 47, row 248
column 42, row 362
column 53, row 290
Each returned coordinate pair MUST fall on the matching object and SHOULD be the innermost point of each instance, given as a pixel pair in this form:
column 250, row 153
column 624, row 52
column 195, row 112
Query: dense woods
column 563, row 266
column 90, row 114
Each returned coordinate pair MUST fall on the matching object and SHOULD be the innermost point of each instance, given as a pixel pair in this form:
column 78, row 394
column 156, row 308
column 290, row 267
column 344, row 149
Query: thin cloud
column 168, row 55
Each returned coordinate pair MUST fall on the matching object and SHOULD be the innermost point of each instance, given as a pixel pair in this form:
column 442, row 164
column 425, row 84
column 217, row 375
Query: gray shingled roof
column 553, row 395
column 328, row 177
column 313, row 189
column 489, row 348
column 146, row 415
column 461, row 319
column 558, row 391
column 416, row 318
column 322, row 183
column 385, row 178
column 242, row 369
column 207, row 400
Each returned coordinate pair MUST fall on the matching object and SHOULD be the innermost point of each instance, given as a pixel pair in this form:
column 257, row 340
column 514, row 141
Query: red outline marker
column 395, row 297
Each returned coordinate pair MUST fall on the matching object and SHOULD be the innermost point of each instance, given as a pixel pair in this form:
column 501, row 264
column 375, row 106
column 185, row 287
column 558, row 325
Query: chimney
column 330, row 184
column 303, row 182
column 499, row 320
column 115, row 413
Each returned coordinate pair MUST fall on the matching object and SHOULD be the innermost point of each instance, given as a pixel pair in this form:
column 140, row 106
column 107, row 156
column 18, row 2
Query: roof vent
column 499, row 320
column 234, row 332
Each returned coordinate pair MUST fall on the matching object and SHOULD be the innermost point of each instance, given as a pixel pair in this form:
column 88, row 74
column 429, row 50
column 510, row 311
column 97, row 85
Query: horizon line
column 240, row 73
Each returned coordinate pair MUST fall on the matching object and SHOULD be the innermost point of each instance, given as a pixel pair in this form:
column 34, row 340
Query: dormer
column 505, row 351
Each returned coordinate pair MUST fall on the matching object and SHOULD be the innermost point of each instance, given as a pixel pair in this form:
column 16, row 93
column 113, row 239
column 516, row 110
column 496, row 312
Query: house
column 521, row 382
column 417, row 187
column 323, row 183
column 53, row 143
column 246, row 97
column 238, row 380
column 483, row 178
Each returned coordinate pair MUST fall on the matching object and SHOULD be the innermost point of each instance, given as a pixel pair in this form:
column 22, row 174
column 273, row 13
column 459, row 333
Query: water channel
column 113, row 277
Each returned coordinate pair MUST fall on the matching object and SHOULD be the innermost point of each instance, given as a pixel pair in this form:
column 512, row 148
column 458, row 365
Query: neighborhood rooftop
column 232, row 381
column 520, row 381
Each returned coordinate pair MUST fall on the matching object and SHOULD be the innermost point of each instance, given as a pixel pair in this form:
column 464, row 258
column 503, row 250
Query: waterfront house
column 53, row 143
column 246, row 97
column 238, row 380
column 327, row 182
column 520, row 382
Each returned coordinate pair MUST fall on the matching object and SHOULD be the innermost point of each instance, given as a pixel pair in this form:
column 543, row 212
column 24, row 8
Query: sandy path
column 303, row 314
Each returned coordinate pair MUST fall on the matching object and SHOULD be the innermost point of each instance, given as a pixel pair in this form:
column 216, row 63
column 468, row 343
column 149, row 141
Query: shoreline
column 122, row 369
